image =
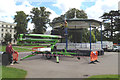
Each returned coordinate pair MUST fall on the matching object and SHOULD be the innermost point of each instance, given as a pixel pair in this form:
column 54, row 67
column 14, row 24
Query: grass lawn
column 3, row 48
column 104, row 77
column 8, row 72
column 17, row 49
column 31, row 46
column 21, row 49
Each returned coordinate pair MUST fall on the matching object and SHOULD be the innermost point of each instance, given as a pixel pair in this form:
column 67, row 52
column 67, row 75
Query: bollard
column 57, row 58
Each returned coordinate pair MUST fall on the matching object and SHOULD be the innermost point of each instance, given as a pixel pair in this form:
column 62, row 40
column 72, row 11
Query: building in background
column 6, row 27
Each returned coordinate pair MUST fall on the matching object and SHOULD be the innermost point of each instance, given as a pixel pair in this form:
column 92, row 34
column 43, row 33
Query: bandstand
column 78, row 24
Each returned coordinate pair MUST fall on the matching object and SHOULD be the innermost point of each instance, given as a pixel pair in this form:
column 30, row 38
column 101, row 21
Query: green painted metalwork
column 41, row 35
column 51, row 40
column 46, row 39
column 27, row 56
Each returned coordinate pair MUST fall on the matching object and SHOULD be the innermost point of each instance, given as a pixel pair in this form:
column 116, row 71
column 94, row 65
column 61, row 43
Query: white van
column 106, row 45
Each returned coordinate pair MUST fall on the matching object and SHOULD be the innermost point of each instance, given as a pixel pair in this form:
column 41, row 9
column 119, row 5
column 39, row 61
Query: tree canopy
column 40, row 17
column 7, row 38
column 71, row 14
column 21, row 20
column 112, row 29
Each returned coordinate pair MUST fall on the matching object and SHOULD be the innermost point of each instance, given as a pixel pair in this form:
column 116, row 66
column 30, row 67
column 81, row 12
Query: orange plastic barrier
column 93, row 56
column 15, row 56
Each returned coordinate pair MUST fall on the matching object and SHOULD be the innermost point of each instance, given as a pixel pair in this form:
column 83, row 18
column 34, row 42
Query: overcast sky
column 93, row 8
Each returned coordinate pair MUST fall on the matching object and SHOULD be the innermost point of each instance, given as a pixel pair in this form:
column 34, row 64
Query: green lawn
column 3, row 48
column 31, row 46
column 17, row 49
column 21, row 49
column 8, row 72
column 104, row 77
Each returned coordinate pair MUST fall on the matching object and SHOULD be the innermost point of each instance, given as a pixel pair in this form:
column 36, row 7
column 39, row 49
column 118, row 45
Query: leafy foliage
column 112, row 29
column 71, row 14
column 21, row 20
column 40, row 17
column 79, row 13
column 7, row 38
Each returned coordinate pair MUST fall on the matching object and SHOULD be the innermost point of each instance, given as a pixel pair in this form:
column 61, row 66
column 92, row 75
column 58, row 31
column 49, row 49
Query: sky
column 93, row 8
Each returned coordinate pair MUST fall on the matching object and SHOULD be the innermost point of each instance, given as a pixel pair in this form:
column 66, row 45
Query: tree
column 40, row 17
column 71, row 14
column 112, row 27
column 79, row 14
column 21, row 20
column 7, row 38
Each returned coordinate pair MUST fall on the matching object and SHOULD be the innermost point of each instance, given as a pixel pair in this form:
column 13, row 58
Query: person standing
column 9, row 51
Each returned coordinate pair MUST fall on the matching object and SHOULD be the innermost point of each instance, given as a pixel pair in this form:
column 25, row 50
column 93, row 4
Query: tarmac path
column 39, row 67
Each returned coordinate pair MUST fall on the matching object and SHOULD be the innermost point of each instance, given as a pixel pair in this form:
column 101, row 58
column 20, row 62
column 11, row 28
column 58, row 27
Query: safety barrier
column 79, row 46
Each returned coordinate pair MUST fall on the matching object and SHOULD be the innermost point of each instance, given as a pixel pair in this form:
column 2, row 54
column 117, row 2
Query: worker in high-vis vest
column 94, row 57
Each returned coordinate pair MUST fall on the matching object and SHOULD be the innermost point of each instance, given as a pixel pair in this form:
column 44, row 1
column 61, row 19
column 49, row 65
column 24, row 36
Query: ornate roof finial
column 65, row 17
column 75, row 17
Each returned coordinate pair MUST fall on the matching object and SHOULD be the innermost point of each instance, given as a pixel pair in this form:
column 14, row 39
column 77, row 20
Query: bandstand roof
column 77, row 23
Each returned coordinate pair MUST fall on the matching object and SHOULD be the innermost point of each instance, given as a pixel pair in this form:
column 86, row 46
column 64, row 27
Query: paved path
column 39, row 67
